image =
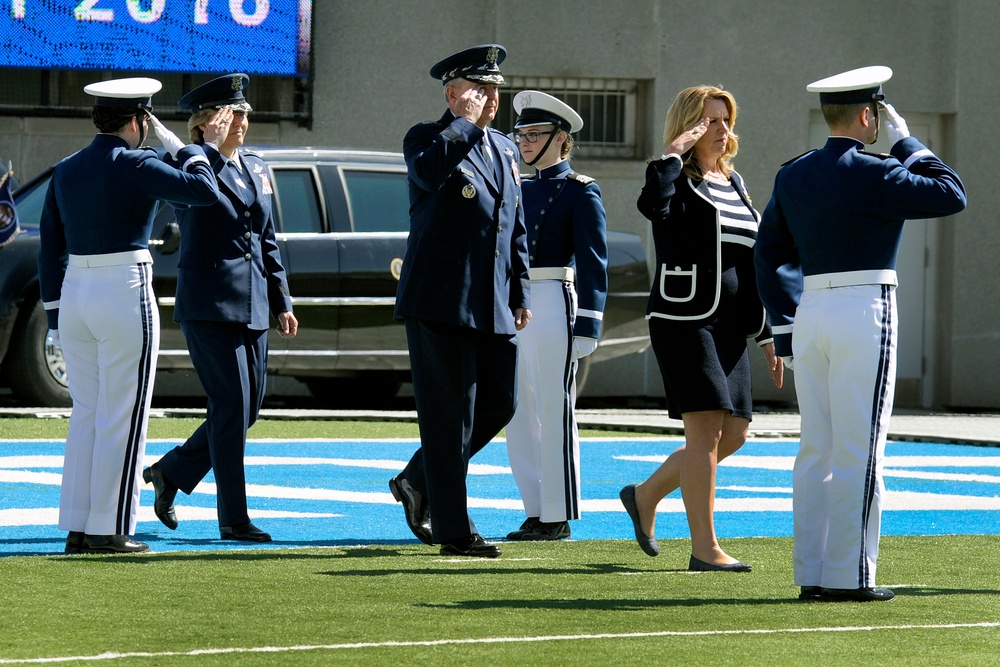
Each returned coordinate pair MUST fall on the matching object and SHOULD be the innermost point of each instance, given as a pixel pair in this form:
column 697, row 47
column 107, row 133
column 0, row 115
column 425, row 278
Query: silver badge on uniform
column 469, row 191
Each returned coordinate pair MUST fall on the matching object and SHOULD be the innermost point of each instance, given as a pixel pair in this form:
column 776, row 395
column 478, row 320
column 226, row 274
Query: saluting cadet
column 463, row 295
column 95, row 272
column 826, row 268
column 568, row 258
column 229, row 280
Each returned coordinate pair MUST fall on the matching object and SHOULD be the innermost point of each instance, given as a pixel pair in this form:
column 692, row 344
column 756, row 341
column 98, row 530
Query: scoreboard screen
column 269, row 37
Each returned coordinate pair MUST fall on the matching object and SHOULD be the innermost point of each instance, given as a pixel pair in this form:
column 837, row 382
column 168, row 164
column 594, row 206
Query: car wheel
column 35, row 370
column 372, row 390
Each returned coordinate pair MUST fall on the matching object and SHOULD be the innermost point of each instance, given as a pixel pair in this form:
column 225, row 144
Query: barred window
column 26, row 92
column 609, row 108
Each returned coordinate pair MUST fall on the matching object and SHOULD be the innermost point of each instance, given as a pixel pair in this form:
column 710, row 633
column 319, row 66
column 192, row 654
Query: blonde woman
column 703, row 306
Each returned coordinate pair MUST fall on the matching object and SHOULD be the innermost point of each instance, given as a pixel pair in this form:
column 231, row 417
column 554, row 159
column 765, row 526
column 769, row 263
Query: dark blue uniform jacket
column 466, row 257
column 230, row 267
column 567, row 226
column 103, row 199
column 840, row 209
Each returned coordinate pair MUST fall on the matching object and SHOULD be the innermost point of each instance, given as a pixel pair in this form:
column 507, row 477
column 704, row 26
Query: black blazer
column 687, row 237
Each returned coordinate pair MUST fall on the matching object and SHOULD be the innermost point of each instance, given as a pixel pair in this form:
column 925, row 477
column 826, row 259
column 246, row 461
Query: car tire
column 372, row 390
column 36, row 372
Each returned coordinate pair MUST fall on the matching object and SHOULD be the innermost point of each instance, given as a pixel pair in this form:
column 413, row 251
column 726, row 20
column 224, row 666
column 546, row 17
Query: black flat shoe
column 529, row 525
column 416, row 509
column 112, row 544
column 246, row 532
column 74, row 542
column 858, row 594
column 474, row 546
column 696, row 565
column 646, row 543
column 166, row 491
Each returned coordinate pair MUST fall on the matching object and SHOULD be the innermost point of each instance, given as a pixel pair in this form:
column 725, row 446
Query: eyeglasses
column 530, row 137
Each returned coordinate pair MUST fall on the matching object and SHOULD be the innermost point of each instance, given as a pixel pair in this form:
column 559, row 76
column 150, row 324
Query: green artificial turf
column 581, row 602
column 567, row 603
column 182, row 427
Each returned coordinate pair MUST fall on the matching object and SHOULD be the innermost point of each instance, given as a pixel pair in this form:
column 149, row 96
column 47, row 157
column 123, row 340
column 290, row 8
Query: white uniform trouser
column 542, row 440
column 110, row 332
column 844, row 346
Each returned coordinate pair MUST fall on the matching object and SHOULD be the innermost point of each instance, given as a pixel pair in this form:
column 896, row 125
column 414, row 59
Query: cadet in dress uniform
column 229, row 279
column 463, row 295
column 703, row 306
column 826, row 268
column 568, row 258
column 95, row 273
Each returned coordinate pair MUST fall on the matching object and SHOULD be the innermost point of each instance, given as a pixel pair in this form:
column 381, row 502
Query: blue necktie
column 241, row 185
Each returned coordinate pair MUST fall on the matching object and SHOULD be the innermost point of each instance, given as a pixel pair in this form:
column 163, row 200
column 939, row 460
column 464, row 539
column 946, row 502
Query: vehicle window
column 298, row 201
column 379, row 200
column 29, row 205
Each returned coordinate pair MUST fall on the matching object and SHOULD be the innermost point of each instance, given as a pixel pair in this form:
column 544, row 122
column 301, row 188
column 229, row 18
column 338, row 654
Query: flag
column 8, row 214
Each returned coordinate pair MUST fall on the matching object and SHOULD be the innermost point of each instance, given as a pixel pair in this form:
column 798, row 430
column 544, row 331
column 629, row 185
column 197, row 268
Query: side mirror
column 169, row 241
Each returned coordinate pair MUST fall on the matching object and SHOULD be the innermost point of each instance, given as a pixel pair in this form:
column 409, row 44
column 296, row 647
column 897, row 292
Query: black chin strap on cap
column 877, row 97
column 545, row 147
column 139, row 116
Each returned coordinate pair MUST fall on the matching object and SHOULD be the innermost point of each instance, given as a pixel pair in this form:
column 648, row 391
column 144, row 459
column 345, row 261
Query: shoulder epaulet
column 883, row 156
column 246, row 151
column 528, row 177
column 579, row 178
column 797, row 157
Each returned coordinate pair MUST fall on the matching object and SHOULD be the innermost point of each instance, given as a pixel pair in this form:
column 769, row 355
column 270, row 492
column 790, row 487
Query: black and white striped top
column 738, row 221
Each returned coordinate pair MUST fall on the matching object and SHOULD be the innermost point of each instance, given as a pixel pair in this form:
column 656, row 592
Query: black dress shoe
column 246, row 532
column 415, row 507
column 74, row 542
column 810, row 593
column 646, row 543
column 474, row 546
column 548, row 532
column 858, row 594
column 696, row 565
column 166, row 491
column 112, row 544
column 529, row 525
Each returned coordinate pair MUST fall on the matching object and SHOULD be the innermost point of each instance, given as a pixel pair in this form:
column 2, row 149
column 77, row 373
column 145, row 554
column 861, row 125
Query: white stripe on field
column 493, row 640
column 49, row 516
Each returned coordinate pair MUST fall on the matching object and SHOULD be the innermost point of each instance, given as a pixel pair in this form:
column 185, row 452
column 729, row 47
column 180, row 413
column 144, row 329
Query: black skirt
column 703, row 367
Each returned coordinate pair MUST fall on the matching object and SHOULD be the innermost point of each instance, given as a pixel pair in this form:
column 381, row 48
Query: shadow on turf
column 237, row 551
column 638, row 605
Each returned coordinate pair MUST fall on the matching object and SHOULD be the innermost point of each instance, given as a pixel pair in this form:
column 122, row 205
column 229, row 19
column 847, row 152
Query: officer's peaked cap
column 134, row 93
column 856, row 86
column 220, row 92
column 536, row 108
column 478, row 63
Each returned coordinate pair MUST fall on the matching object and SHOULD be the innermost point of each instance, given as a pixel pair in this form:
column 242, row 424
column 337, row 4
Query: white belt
column 564, row 273
column 112, row 259
column 849, row 279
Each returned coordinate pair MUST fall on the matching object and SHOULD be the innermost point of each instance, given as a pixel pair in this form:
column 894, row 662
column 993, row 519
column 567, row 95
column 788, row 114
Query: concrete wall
column 371, row 84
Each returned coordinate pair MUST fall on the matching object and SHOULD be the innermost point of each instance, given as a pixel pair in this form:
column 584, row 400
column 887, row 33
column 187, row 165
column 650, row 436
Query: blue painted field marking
column 316, row 493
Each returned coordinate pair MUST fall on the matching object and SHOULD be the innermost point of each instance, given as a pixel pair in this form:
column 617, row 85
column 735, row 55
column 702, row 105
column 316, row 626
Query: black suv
column 342, row 219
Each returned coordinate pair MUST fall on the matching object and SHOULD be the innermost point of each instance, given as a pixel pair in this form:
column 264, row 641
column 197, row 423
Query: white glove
column 171, row 142
column 895, row 126
column 583, row 346
column 788, row 362
column 53, row 339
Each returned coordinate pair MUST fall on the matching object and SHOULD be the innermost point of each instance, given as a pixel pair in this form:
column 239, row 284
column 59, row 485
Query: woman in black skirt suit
column 702, row 308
